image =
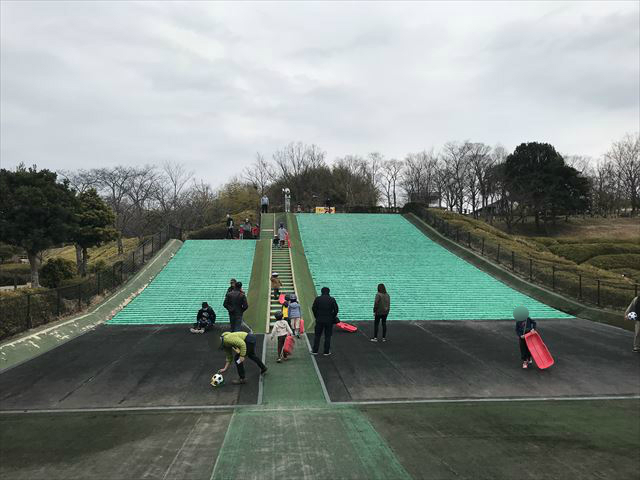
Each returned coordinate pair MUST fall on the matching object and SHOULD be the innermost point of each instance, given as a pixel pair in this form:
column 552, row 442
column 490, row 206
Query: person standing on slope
column 229, row 227
column 236, row 304
column 264, row 203
column 524, row 325
column 381, row 306
column 325, row 311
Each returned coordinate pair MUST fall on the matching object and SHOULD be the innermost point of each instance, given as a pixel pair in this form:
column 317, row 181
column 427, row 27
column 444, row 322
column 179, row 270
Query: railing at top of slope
column 561, row 278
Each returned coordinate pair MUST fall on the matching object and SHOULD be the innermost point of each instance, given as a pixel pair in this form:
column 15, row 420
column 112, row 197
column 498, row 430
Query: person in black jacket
column 524, row 325
column 229, row 227
column 205, row 319
column 325, row 310
column 236, row 303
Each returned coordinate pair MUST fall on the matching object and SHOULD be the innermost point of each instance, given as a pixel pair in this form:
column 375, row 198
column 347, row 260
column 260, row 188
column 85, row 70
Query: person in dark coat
column 381, row 306
column 236, row 304
column 325, row 310
column 229, row 227
column 205, row 319
column 524, row 325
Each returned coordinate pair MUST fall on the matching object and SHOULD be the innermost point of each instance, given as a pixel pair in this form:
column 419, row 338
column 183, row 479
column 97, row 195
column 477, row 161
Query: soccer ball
column 217, row 380
column 632, row 316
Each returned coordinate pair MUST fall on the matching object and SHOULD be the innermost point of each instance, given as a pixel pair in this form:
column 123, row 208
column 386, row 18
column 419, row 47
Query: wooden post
column 79, row 296
column 58, row 302
column 553, row 277
column 530, row 269
column 498, row 256
column 598, row 292
column 469, row 239
column 482, row 252
column 513, row 261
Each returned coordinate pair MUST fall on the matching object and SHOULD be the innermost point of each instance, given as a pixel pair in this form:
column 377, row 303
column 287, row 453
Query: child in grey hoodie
column 295, row 314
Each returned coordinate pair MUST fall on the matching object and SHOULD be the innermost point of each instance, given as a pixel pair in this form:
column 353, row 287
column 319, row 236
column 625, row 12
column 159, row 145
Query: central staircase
column 281, row 264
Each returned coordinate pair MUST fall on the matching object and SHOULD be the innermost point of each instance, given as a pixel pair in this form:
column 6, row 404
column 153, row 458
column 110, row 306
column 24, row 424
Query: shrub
column 210, row 232
column 98, row 266
column 15, row 271
column 580, row 253
column 55, row 271
column 610, row 262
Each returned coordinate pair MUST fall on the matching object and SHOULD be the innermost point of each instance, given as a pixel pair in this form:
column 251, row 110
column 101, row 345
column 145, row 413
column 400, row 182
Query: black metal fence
column 560, row 278
column 28, row 310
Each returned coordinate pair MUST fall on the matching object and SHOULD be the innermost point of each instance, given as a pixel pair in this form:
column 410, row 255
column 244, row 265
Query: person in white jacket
column 281, row 329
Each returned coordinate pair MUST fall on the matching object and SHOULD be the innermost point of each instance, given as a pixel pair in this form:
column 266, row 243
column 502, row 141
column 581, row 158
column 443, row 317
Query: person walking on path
column 381, row 306
column 236, row 304
column 633, row 313
column 237, row 346
column 276, row 285
column 264, row 204
column 205, row 319
column 295, row 314
column 232, row 285
column 229, row 227
column 524, row 325
column 325, row 311
column 280, row 330
column 282, row 235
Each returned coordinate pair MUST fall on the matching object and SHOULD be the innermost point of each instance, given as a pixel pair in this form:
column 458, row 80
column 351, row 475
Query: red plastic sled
column 281, row 299
column 538, row 349
column 289, row 343
column 302, row 325
column 346, row 327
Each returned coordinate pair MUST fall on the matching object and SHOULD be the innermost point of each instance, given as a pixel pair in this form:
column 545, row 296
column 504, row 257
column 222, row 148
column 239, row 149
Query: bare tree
column 260, row 174
column 113, row 185
column 625, row 155
column 480, row 163
column 390, row 175
column 456, row 158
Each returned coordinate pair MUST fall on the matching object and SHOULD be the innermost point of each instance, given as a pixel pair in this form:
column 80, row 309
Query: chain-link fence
column 22, row 312
column 564, row 279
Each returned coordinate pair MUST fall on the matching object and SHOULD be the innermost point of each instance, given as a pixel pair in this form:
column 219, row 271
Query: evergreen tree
column 36, row 212
column 94, row 225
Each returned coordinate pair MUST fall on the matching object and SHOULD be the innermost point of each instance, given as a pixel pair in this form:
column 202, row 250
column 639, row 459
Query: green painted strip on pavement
column 315, row 443
column 259, row 292
column 293, row 382
column 304, row 282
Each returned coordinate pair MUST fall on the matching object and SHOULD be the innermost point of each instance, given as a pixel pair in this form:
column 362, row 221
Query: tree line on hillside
column 466, row 177
column 38, row 212
column 86, row 207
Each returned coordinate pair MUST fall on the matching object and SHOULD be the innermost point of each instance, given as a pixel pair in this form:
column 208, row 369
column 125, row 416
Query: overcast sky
column 90, row 84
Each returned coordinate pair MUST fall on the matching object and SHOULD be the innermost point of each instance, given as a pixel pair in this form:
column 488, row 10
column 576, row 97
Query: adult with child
column 381, row 307
column 524, row 325
column 205, row 319
column 280, row 331
column 325, row 310
column 236, row 304
column 633, row 313
column 238, row 346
